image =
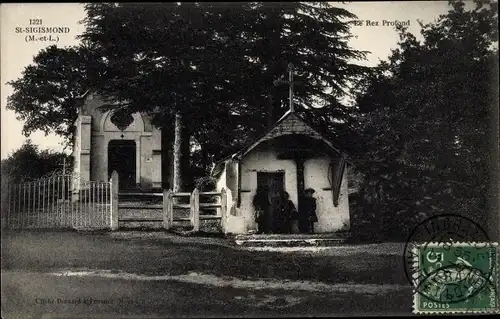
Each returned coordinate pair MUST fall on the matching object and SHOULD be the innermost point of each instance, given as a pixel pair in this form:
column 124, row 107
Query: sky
column 375, row 33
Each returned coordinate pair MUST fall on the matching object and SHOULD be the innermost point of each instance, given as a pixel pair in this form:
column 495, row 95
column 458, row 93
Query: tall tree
column 44, row 97
column 426, row 122
column 211, row 65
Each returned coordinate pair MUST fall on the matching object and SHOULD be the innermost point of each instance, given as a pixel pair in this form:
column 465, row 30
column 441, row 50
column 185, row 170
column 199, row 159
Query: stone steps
column 140, row 197
column 291, row 240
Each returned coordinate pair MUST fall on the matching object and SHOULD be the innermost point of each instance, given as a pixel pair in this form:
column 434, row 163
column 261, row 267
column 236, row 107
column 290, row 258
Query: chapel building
column 104, row 143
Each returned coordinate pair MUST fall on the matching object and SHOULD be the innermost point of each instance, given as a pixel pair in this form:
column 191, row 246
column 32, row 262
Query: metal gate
column 60, row 200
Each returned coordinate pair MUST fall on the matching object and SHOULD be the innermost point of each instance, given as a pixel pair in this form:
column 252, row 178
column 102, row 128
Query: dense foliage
column 44, row 96
column 428, row 144
column 29, row 163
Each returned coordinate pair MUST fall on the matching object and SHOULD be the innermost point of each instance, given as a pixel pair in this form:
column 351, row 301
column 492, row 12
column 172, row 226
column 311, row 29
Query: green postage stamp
column 455, row 278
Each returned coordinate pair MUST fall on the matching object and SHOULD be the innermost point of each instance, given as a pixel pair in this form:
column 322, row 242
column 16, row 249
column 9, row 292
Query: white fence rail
column 64, row 201
column 59, row 201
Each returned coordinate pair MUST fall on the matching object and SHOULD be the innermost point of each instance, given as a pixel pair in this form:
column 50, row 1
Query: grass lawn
column 159, row 274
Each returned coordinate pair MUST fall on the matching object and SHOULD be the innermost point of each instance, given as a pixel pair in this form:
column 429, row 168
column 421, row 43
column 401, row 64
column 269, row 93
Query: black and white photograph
column 249, row 159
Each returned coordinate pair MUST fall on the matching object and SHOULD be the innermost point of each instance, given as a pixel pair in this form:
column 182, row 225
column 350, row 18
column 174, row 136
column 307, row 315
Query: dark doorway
column 122, row 159
column 273, row 181
column 275, row 184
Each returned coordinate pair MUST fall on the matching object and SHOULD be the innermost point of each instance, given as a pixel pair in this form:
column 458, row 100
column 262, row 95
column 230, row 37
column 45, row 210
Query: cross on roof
column 290, row 84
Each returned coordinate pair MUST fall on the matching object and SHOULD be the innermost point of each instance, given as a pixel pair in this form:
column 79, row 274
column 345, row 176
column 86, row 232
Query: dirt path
column 233, row 282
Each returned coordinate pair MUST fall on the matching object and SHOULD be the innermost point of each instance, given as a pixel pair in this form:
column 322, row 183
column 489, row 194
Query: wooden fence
column 194, row 206
column 62, row 200
column 169, row 205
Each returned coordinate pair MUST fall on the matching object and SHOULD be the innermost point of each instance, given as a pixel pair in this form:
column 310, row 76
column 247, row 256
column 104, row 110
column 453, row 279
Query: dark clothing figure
column 307, row 215
column 263, row 211
column 275, row 209
column 286, row 213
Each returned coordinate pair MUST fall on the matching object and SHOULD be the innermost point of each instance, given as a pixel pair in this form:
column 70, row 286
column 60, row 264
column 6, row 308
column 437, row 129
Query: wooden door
column 275, row 184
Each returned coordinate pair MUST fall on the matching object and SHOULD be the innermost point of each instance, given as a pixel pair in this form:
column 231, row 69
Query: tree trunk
column 186, row 180
column 178, row 131
column 181, row 154
column 167, row 140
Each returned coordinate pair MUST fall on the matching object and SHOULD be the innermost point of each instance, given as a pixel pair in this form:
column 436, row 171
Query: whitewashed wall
column 221, row 181
column 102, row 131
column 148, row 166
column 82, row 151
column 263, row 161
column 330, row 218
column 76, row 147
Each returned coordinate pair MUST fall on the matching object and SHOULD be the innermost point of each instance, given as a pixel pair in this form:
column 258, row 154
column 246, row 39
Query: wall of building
column 263, row 161
column 82, row 149
column 77, row 136
column 97, row 131
column 221, row 181
column 330, row 218
column 148, row 165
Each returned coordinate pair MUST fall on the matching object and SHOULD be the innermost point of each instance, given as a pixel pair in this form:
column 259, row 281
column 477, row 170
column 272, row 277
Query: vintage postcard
column 249, row 159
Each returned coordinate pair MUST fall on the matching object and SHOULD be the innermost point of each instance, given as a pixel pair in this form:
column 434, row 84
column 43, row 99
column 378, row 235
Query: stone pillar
column 85, row 146
column 167, row 209
column 114, row 200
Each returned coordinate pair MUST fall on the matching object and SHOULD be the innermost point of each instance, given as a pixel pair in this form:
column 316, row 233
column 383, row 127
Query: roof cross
column 290, row 83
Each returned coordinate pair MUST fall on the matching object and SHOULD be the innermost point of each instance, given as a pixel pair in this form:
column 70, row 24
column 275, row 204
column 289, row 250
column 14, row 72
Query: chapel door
column 122, row 159
column 275, row 184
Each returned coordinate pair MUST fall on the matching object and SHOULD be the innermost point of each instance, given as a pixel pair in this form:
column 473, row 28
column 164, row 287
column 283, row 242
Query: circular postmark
column 455, row 278
column 454, row 284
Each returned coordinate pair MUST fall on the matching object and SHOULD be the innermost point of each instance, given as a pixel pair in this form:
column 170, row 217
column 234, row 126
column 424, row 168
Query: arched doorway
column 122, row 159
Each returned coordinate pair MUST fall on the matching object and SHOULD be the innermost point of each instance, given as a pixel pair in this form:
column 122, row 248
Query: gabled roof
column 289, row 123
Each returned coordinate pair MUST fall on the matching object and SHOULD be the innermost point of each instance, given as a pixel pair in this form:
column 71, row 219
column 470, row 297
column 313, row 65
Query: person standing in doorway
column 307, row 215
column 287, row 213
column 262, row 205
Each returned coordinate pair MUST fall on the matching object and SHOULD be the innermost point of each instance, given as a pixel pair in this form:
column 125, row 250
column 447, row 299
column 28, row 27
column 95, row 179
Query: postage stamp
column 441, row 228
column 455, row 277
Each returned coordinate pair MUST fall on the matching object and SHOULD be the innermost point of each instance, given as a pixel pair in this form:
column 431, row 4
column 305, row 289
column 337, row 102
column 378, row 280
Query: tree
column 44, row 97
column 29, row 163
column 425, row 122
column 210, row 66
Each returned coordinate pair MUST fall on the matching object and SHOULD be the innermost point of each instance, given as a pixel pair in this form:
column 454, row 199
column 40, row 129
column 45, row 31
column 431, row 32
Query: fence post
column 171, row 208
column 195, row 209
column 114, row 200
column 223, row 209
column 167, row 197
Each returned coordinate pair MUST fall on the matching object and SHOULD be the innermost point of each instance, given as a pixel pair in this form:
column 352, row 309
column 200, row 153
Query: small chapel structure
column 108, row 141
column 290, row 157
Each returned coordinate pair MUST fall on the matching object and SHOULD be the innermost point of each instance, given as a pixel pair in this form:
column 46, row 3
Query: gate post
column 195, row 210
column 114, row 200
column 223, row 209
column 167, row 209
